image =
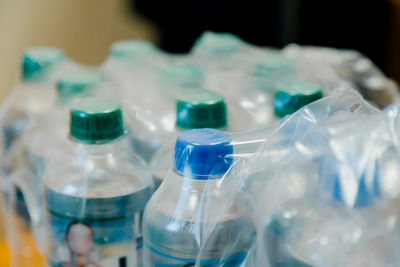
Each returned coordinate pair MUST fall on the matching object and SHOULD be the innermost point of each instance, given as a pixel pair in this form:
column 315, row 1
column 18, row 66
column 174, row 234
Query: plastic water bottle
column 95, row 195
column 30, row 155
column 251, row 107
column 194, row 109
column 32, row 96
column 288, row 98
column 179, row 76
column 271, row 69
column 49, row 134
column 132, row 66
column 217, row 44
column 312, row 231
column 220, row 54
column 153, row 124
column 130, row 57
column 77, row 85
column 33, row 93
column 193, row 218
column 132, row 48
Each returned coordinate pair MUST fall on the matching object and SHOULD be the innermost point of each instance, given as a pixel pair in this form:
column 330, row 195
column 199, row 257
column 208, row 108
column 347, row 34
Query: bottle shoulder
column 194, row 200
column 175, row 219
column 97, row 172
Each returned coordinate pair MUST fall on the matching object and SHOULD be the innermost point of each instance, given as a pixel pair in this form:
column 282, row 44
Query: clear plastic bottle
column 29, row 156
column 322, row 230
column 223, row 56
column 271, row 69
column 132, row 66
column 153, row 124
column 176, row 77
column 217, row 44
column 95, row 194
column 252, row 107
column 194, row 218
column 31, row 97
column 288, row 98
column 50, row 130
column 226, row 52
column 33, row 93
column 194, row 109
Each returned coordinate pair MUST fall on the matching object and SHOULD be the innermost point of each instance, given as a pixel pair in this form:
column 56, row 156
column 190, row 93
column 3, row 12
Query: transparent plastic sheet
column 328, row 195
column 199, row 216
column 220, row 218
column 25, row 163
column 245, row 77
column 330, row 65
column 248, row 77
column 30, row 98
column 89, row 214
column 208, row 219
column 94, row 190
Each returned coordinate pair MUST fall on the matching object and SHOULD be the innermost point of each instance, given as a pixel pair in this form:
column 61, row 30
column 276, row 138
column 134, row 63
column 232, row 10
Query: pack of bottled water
column 230, row 155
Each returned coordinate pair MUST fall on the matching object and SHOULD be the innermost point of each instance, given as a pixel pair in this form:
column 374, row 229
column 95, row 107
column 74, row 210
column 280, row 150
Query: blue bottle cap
column 201, row 153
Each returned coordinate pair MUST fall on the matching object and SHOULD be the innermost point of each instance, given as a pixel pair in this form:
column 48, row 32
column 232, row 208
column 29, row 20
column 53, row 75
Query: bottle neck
column 189, row 182
column 101, row 148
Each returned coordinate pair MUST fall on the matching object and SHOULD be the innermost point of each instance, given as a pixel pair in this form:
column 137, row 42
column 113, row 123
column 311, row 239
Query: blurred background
column 85, row 29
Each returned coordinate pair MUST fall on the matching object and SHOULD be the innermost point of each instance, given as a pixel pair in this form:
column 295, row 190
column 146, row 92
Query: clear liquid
column 172, row 242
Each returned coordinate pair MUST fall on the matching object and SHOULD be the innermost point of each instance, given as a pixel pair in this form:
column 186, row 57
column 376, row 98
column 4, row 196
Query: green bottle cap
column 96, row 121
column 218, row 42
column 201, row 109
column 132, row 48
column 36, row 60
column 72, row 84
column 291, row 96
column 183, row 75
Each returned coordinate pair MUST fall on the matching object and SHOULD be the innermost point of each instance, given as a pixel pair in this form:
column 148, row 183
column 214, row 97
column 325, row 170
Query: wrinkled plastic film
column 330, row 200
column 291, row 166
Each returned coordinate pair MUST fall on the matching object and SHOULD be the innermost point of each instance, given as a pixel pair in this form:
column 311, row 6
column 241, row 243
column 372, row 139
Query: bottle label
column 93, row 242
column 159, row 259
column 92, row 232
